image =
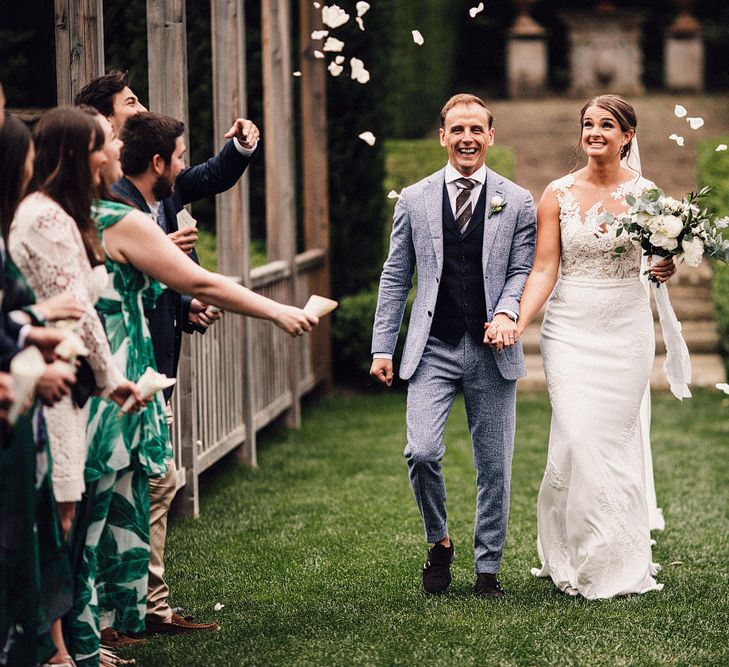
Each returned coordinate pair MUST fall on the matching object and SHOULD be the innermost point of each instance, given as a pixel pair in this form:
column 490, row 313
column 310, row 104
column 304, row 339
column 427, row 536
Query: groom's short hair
column 145, row 135
column 464, row 98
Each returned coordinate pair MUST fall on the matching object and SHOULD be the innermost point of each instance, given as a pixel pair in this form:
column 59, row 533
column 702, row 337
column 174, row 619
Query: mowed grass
column 317, row 554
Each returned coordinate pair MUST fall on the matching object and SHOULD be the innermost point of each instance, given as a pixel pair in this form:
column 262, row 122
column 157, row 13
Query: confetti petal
column 695, row 123
column 317, row 5
column 362, row 8
column 297, row 73
column 360, row 23
column 676, row 562
column 722, row 386
column 368, row 138
column 359, row 73
column 721, row 147
column 318, row 54
column 418, row 38
column 680, row 111
column 339, row 60
column 677, row 138
column 393, row 195
column 476, row 10
column 218, row 606
column 333, row 44
column 319, row 34
column 334, row 69
column 334, row 16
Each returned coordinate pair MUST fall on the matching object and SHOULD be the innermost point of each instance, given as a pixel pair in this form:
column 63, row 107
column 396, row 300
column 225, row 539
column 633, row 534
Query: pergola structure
column 243, row 373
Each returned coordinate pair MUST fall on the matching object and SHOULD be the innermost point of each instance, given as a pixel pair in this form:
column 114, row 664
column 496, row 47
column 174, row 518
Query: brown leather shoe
column 488, row 586
column 178, row 625
column 112, row 639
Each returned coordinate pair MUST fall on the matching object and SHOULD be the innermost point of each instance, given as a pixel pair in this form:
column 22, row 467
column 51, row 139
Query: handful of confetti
column 149, row 384
column 319, row 305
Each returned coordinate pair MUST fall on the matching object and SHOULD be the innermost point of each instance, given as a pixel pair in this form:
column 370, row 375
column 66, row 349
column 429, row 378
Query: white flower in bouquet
column 693, row 251
column 671, row 226
column 663, row 241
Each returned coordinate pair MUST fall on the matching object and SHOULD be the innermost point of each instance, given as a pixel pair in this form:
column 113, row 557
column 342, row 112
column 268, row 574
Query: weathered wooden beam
column 227, row 23
column 79, row 46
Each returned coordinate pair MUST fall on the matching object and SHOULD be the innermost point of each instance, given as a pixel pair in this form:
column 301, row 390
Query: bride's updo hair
column 618, row 107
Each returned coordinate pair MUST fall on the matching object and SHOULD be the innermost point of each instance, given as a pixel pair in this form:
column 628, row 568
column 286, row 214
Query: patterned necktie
column 464, row 209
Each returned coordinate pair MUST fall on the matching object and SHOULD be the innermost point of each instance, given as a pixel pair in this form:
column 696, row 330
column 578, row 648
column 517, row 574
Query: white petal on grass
column 333, row 44
column 333, row 16
column 723, row 386
column 318, row 54
column 359, row 73
column 334, row 69
column 218, row 606
column 695, row 123
column 476, row 10
column 368, row 138
column 418, row 38
column 680, row 111
column 362, row 8
column 676, row 563
column 393, row 195
column 360, row 23
column 297, row 73
column 339, row 60
column 721, row 147
column 677, row 138
column 319, row 34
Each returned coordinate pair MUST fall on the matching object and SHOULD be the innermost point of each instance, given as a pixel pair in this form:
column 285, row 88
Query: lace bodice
column 46, row 246
column 588, row 246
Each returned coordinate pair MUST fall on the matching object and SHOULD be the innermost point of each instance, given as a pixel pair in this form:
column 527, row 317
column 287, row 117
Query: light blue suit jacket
column 416, row 242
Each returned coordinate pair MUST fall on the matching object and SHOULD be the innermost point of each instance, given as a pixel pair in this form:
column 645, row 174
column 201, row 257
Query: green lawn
column 317, row 554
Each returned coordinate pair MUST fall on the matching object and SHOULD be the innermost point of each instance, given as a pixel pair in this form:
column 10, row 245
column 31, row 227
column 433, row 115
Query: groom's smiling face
column 467, row 135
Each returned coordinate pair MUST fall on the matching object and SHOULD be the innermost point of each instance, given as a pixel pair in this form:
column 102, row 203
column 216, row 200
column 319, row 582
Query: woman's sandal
column 108, row 658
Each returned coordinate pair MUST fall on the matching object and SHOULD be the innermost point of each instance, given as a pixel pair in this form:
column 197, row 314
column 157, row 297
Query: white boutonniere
column 497, row 204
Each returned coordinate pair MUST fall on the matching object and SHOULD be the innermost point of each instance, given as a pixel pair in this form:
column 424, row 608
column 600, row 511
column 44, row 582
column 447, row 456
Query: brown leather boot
column 178, row 625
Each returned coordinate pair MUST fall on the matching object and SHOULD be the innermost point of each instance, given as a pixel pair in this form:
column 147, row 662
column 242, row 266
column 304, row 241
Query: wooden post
column 280, row 163
column 79, row 45
column 167, row 56
column 316, row 175
column 232, row 213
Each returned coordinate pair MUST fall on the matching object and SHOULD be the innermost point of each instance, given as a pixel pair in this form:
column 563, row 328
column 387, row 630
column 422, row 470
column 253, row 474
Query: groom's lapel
column 494, row 186
column 433, row 196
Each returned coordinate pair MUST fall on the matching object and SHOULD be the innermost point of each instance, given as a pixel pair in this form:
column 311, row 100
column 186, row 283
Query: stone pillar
column 605, row 50
column 526, row 55
column 684, row 52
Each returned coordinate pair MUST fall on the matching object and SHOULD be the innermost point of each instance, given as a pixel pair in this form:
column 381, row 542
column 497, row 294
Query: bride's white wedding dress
column 598, row 348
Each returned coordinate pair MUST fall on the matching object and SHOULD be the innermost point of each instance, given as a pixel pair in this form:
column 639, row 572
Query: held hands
column 184, row 239
column 381, row 370
column 124, row 391
column 45, row 339
column 202, row 314
column 245, row 131
column 663, row 270
column 294, row 321
column 501, row 332
column 55, row 383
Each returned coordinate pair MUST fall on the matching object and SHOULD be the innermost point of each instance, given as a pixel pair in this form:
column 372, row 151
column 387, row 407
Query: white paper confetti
column 297, row 73
column 418, row 38
column 359, row 73
column 339, row 60
column 695, row 123
column 722, row 386
column 677, row 138
column 334, row 16
column 317, row 5
column 319, row 34
column 333, row 44
column 334, row 69
column 362, row 8
column 476, row 10
column 360, row 23
column 393, row 195
column 368, row 138
column 721, row 147
column 680, row 111
column 318, row 54
column 218, row 606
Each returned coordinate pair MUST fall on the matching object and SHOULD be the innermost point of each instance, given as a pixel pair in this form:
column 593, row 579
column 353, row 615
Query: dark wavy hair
column 618, row 107
column 100, row 92
column 15, row 142
column 64, row 139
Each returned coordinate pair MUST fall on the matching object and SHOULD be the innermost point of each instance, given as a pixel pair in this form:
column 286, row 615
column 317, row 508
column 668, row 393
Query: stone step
column 707, row 370
column 700, row 336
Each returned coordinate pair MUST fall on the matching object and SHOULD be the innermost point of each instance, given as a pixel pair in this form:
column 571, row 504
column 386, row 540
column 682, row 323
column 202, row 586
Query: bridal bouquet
column 666, row 227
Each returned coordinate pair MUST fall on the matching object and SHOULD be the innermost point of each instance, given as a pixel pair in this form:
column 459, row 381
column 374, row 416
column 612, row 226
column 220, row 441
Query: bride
column 598, row 347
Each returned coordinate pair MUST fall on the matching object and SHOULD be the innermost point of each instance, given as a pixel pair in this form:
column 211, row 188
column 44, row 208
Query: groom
column 470, row 234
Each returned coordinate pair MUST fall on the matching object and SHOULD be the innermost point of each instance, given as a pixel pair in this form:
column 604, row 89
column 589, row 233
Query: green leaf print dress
column 124, row 451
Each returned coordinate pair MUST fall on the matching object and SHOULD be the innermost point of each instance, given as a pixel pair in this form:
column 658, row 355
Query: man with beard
column 156, row 181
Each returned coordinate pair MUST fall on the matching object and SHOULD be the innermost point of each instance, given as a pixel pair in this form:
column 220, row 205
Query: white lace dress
column 46, row 246
column 598, row 347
